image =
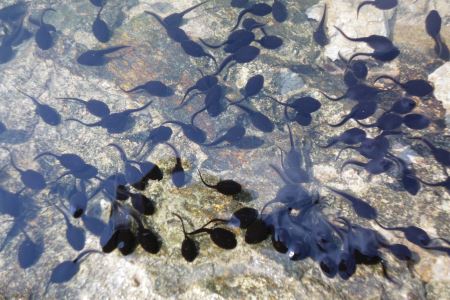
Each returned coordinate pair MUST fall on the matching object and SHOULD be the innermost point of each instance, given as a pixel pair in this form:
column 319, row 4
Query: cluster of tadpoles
column 11, row 20
column 125, row 229
column 297, row 226
column 395, row 115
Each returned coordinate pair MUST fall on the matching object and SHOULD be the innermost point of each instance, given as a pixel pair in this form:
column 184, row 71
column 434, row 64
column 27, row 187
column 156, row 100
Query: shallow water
column 34, row 232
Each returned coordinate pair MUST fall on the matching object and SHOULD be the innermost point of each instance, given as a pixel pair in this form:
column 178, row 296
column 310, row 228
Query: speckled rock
column 441, row 80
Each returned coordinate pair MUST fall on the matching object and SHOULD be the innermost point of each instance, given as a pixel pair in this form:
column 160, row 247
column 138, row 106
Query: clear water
column 326, row 208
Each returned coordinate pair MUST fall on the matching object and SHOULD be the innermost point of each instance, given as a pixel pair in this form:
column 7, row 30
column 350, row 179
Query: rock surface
column 296, row 69
column 441, row 80
column 342, row 14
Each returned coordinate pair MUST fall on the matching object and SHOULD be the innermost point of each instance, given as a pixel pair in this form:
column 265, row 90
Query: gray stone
column 441, row 80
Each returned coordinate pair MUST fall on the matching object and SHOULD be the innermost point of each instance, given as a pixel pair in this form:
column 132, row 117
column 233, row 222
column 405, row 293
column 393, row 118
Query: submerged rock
column 247, row 271
column 342, row 13
column 441, row 80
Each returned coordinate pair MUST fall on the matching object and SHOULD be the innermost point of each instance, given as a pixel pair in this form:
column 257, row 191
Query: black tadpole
column 222, row 237
column 225, row 187
column 320, row 35
column 189, row 248
column 66, row 270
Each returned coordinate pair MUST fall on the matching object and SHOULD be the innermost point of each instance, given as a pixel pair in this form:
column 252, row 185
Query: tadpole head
column 257, row 232
column 149, row 241
column 244, row 217
column 401, row 252
column 298, row 250
column 122, row 192
column 346, row 266
column 189, row 249
column 126, row 241
column 329, row 267
column 223, row 238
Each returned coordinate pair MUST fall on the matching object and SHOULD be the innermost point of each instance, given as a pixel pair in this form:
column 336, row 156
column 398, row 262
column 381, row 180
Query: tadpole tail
column 32, row 98
column 425, row 141
column 286, row 115
column 190, row 89
column 390, row 132
column 201, row 72
column 366, row 125
column 397, row 161
column 224, row 63
column 282, row 158
column 47, row 286
column 196, row 114
column 66, row 218
column 237, row 102
column 84, row 254
column 387, row 77
column 291, row 138
column 182, row 223
column 267, row 204
column 331, row 142
column 346, row 36
column 441, row 239
column 76, row 99
column 139, row 87
column 381, row 225
column 141, row 148
column 387, row 228
column 273, row 99
column 351, row 162
column 61, row 176
column 82, row 123
column 184, row 12
column 139, row 108
column 358, row 54
column 112, row 49
column 201, row 178
column 215, row 142
column 341, row 57
column 45, row 154
column 211, row 46
column 204, row 229
column 213, row 59
column 13, row 163
column 170, row 122
column 364, row 3
column 342, row 122
column 185, row 102
column 333, row 99
column 157, row 17
column 197, row 231
column 122, row 153
column 44, row 12
column 437, row 44
column 438, row 248
column 278, row 171
column 343, row 149
column 430, row 183
column 324, row 15
column 175, row 151
column 241, row 15
column 443, row 51
column 100, row 10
